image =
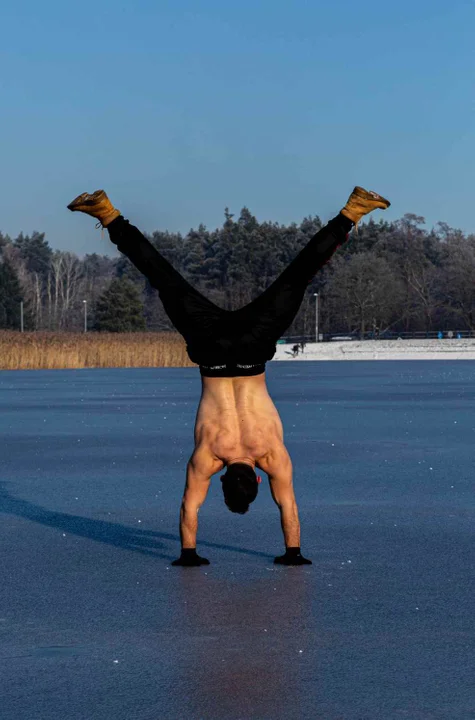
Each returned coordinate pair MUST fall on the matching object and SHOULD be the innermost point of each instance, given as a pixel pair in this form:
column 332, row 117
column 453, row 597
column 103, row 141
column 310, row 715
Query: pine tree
column 4, row 240
column 35, row 251
column 119, row 309
column 196, row 245
column 10, row 297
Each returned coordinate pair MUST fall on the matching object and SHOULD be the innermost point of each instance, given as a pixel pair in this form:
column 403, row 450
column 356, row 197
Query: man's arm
column 198, row 473
column 196, row 489
column 282, row 489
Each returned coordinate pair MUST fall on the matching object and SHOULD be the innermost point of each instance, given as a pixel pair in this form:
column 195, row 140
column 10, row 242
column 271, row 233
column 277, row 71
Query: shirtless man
column 237, row 425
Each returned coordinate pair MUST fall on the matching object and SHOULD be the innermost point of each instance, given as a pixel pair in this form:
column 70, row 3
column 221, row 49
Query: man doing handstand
column 237, row 425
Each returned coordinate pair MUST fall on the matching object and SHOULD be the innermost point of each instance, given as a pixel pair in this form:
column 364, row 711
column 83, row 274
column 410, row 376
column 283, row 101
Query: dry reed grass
column 54, row 350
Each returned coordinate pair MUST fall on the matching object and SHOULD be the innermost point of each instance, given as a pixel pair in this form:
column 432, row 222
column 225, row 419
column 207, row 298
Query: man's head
column 240, row 486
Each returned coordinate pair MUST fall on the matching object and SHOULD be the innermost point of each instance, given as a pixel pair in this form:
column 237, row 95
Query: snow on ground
column 432, row 349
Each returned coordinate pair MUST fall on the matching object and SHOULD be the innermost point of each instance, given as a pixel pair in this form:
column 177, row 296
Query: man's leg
column 188, row 309
column 192, row 314
column 269, row 315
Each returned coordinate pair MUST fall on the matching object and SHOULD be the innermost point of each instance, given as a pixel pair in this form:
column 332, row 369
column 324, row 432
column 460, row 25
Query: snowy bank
column 382, row 350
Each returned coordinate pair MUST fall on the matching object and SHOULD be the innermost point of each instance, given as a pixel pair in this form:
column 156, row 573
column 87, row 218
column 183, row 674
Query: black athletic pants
column 226, row 343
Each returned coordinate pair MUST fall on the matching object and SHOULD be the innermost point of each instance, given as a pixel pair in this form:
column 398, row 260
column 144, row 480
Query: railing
column 415, row 335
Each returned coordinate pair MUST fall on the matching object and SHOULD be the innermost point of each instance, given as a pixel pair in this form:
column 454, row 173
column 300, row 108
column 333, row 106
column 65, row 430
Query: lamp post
column 85, row 315
column 316, row 317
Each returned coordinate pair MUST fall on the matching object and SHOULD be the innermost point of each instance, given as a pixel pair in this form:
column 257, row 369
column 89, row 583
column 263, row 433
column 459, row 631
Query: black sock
column 190, row 558
column 292, row 551
column 292, row 556
column 188, row 552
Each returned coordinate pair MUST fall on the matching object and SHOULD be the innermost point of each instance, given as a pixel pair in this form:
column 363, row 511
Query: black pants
column 227, row 343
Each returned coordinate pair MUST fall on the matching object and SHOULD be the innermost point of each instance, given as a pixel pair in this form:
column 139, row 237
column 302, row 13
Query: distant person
column 440, row 335
column 293, row 352
column 237, row 425
column 302, row 346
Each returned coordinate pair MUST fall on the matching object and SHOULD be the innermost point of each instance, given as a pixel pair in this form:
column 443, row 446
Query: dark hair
column 239, row 487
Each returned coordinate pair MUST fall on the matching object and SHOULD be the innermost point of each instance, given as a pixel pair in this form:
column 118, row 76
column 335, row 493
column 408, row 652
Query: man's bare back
column 236, row 419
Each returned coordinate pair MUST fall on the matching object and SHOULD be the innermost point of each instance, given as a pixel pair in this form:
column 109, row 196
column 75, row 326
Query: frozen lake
column 96, row 625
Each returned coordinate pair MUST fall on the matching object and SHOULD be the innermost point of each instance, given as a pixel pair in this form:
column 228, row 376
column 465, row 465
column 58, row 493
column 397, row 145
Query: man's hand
column 292, row 556
column 190, row 558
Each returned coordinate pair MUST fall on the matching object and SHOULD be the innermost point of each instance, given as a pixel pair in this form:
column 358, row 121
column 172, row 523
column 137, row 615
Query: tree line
column 391, row 276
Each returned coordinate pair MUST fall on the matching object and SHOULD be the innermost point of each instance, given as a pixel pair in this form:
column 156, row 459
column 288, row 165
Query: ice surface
column 96, row 624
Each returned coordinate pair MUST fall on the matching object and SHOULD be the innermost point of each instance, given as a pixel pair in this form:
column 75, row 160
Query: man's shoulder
column 275, row 459
column 204, row 460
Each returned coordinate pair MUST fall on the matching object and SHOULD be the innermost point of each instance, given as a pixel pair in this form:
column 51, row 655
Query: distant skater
column 237, row 425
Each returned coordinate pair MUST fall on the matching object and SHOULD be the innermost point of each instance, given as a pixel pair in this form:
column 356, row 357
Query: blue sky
column 180, row 108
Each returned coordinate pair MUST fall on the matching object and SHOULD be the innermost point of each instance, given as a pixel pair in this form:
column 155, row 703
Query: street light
column 316, row 317
column 85, row 315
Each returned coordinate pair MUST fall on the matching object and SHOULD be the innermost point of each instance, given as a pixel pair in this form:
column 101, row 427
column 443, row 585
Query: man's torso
column 236, row 418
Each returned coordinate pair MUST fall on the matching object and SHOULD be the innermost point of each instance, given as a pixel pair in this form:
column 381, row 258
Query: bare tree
column 403, row 246
column 423, row 279
column 363, row 293
column 459, row 277
column 63, row 285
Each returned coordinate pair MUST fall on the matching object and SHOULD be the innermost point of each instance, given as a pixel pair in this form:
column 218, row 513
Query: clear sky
column 179, row 108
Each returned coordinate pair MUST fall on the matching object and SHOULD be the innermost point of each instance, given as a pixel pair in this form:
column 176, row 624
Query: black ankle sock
column 292, row 556
column 292, row 551
column 188, row 552
column 190, row 558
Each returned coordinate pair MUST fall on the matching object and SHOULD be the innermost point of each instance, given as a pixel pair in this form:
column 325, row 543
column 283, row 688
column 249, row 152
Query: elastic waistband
column 232, row 370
